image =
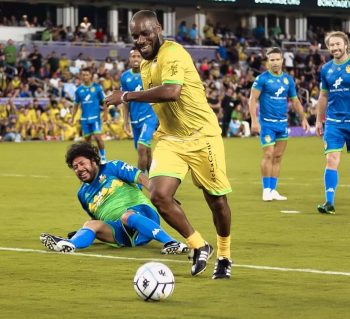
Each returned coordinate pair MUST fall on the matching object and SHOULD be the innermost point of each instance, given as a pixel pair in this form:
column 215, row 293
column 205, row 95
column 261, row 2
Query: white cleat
column 276, row 196
column 267, row 197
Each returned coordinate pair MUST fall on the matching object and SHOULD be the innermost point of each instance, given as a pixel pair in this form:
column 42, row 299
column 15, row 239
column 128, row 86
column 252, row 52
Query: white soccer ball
column 154, row 281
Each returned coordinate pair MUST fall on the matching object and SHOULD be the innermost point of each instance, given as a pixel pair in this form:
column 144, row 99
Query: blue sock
column 330, row 184
column 273, row 183
column 266, row 182
column 148, row 228
column 83, row 238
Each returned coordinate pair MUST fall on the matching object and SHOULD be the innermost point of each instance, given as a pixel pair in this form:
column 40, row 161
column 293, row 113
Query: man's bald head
column 146, row 33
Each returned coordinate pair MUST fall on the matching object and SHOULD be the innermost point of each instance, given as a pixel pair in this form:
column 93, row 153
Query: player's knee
column 333, row 160
column 125, row 216
column 159, row 197
column 95, row 225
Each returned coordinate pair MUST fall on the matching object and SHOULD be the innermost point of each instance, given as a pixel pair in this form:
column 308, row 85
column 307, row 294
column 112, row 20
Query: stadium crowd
column 37, row 92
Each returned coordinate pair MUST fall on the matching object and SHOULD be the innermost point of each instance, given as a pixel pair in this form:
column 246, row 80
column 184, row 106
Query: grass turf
column 38, row 194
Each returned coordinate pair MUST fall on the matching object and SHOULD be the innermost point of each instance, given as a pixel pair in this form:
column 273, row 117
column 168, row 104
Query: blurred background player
column 90, row 97
column 189, row 140
column 333, row 103
column 272, row 90
column 120, row 213
column 140, row 115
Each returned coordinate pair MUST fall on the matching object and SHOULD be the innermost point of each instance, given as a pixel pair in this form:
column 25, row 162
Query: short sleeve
column 258, row 83
column 173, row 66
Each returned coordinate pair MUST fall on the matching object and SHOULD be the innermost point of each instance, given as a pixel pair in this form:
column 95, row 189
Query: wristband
column 124, row 96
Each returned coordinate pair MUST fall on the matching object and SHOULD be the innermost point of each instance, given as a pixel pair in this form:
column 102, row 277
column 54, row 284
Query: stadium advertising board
column 289, row 4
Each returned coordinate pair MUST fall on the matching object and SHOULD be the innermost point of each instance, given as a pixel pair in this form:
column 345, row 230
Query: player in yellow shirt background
column 189, row 139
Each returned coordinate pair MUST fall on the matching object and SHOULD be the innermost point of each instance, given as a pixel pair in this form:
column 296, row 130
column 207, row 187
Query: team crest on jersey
column 267, row 138
column 92, row 89
column 102, row 178
column 347, row 69
column 285, row 81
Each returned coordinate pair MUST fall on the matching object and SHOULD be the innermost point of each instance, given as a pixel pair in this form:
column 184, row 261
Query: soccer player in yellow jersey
column 189, row 139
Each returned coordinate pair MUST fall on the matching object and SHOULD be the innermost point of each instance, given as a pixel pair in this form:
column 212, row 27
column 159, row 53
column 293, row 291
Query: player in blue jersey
column 120, row 213
column 271, row 90
column 333, row 103
column 90, row 97
column 140, row 115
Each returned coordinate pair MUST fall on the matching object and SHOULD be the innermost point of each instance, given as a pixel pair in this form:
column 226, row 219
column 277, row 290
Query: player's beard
column 155, row 48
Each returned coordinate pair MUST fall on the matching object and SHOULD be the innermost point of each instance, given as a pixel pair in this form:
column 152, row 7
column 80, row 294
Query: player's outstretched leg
column 153, row 230
column 57, row 243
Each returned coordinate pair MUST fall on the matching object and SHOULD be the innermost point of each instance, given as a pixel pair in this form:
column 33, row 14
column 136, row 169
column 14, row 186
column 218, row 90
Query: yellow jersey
column 191, row 115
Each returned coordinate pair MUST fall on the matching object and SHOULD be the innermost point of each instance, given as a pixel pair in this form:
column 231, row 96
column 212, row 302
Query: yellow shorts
column 204, row 157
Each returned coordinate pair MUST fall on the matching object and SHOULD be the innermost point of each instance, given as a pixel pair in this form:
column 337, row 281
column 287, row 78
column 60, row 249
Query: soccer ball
column 154, row 281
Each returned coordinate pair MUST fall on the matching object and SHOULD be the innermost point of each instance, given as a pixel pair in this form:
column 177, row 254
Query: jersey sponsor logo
column 267, row 138
column 127, row 167
column 155, row 232
column 87, row 98
column 347, row 69
column 138, row 88
column 280, row 91
column 102, row 178
column 338, row 82
column 211, row 159
column 285, row 81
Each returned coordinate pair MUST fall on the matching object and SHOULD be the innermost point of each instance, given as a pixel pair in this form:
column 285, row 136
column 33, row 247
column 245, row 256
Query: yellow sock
column 195, row 240
column 224, row 245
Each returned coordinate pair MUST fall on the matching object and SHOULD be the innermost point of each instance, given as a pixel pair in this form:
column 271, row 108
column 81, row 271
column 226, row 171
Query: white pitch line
column 303, row 270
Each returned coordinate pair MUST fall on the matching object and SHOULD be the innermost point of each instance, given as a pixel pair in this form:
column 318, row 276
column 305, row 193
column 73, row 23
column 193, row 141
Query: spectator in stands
column 182, row 35
column 13, row 21
column 10, row 52
column 46, row 35
column 53, row 62
column 35, row 22
column 235, row 128
column 215, row 102
column 288, row 57
column 90, row 35
column 100, row 35
column 24, row 21
column 193, row 36
column 80, row 61
column 227, row 105
column 84, row 26
column 36, row 60
column 210, row 37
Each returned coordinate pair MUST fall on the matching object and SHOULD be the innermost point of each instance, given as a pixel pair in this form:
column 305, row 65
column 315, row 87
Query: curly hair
column 84, row 149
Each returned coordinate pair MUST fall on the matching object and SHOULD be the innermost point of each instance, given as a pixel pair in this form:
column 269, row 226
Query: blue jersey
column 90, row 98
column 335, row 80
column 274, row 93
column 139, row 111
column 112, row 192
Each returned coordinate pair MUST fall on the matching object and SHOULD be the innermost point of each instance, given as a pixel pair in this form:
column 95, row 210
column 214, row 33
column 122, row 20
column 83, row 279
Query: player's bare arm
column 321, row 108
column 161, row 93
column 253, row 102
column 143, row 180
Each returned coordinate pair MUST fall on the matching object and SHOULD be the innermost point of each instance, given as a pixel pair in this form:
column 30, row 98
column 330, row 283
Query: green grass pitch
column 305, row 254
